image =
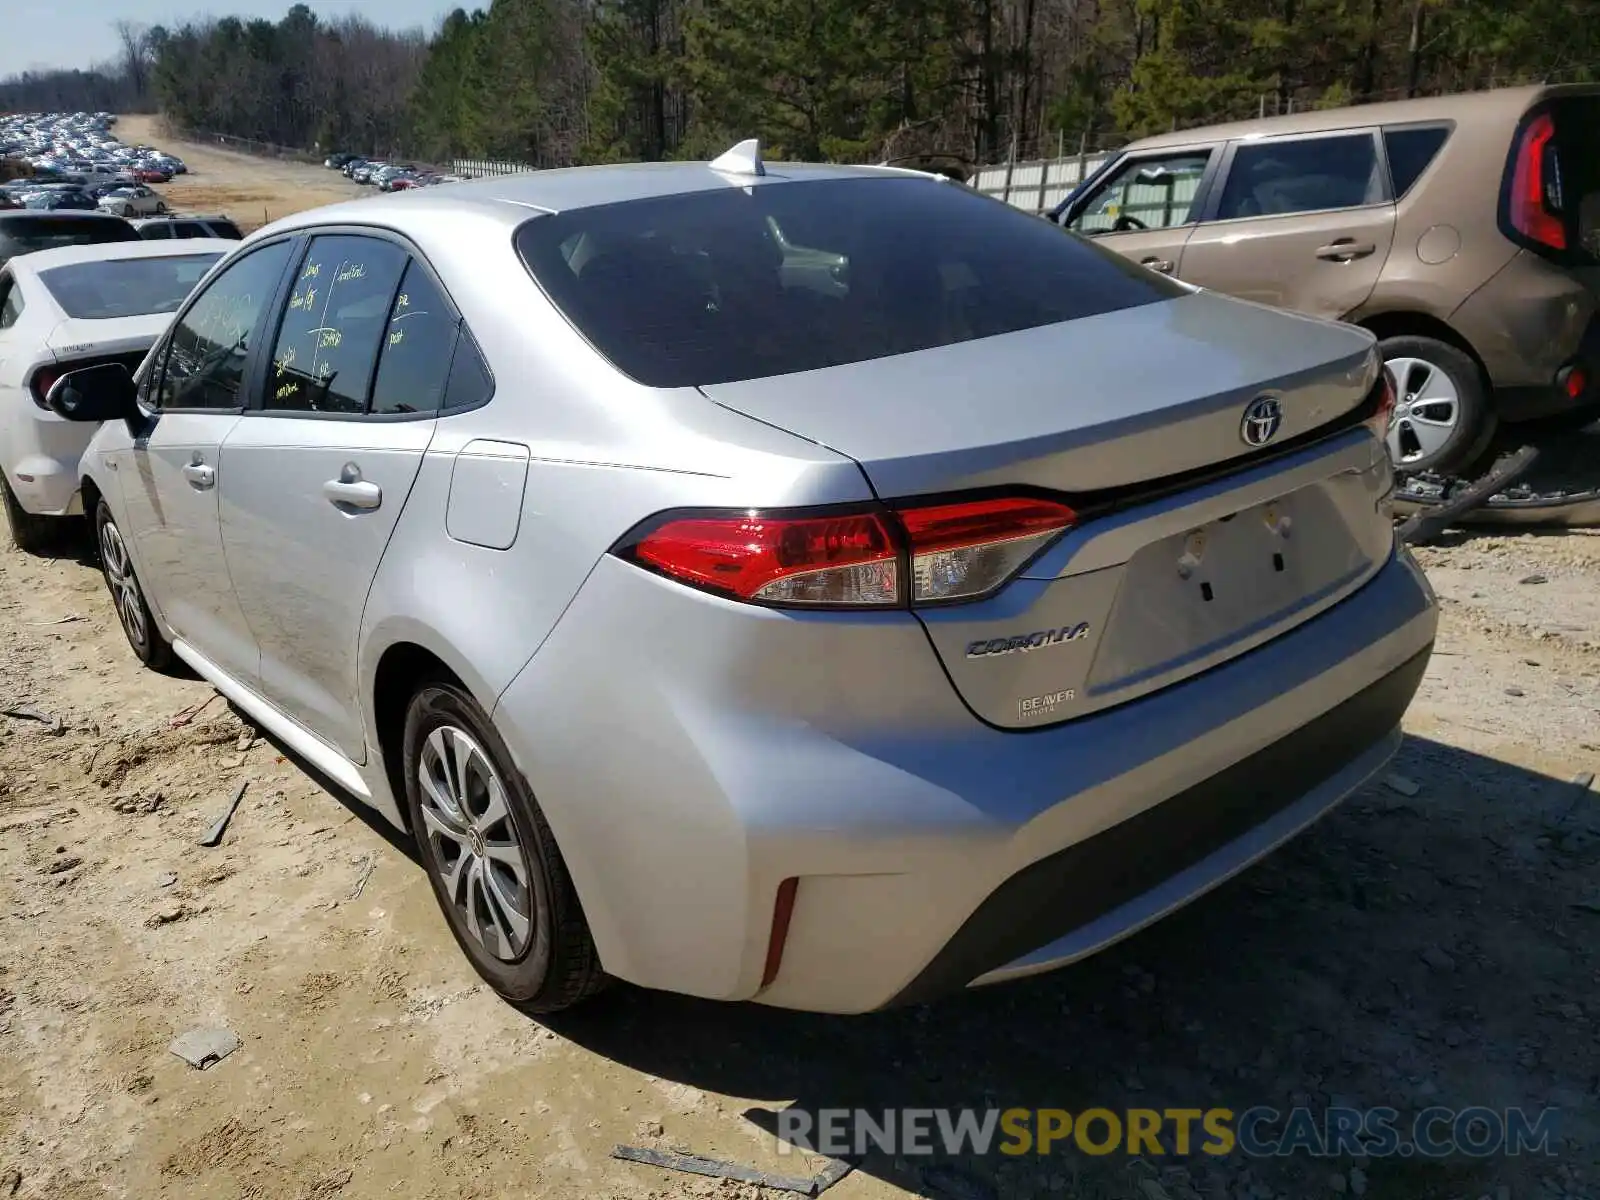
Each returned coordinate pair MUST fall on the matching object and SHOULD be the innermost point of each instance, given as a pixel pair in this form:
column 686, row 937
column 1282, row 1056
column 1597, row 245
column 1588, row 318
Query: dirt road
column 253, row 191
column 1434, row 942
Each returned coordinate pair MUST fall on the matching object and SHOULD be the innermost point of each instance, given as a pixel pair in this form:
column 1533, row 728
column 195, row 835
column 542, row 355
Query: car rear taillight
column 961, row 551
column 43, row 380
column 854, row 557
column 1535, row 201
column 1383, row 413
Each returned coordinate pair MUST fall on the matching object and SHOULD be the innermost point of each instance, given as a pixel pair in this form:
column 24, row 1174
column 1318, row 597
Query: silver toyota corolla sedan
column 819, row 585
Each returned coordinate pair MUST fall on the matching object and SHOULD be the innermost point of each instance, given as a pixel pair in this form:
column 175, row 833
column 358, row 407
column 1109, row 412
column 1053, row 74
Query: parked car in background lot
column 1463, row 230
column 159, row 228
column 136, row 201
column 935, row 694
column 62, row 309
column 27, row 232
column 55, row 199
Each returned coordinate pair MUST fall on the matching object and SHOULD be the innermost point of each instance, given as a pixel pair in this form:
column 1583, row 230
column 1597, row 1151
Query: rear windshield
column 24, row 235
column 126, row 287
column 743, row 283
column 1578, row 157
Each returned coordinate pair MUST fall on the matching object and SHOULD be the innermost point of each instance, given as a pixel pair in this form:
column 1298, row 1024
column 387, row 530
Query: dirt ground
column 1434, row 941
column 253, row 191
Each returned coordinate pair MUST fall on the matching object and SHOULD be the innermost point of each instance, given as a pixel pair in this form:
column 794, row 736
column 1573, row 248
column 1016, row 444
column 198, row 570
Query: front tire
column 1443, row 419
column 30, row 532
column 491, row 858
column 138, row 623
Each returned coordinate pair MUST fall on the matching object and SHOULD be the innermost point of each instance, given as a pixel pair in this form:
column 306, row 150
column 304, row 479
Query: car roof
column 66, row 215
column 1464, row 106
column 64, row 256
column 512, row 199
column 169, row 218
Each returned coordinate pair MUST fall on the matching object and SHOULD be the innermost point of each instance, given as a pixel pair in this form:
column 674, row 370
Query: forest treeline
column 553, row 82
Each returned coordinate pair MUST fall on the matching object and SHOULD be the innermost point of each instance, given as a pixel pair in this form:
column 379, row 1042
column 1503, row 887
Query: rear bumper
column 1078, row 900
column 1526, row 323
column 685, row 784
column 42, row 453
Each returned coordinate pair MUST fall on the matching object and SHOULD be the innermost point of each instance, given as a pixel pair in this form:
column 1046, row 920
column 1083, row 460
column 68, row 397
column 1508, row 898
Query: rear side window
column 224, row 229
column 1304, row 175
column 416, row 350
column 743, row 283
column 189, row 229
column 1410, row 151
column 336, row 319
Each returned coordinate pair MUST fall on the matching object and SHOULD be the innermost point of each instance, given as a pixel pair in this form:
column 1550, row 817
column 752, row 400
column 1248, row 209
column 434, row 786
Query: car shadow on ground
column 1410, row 950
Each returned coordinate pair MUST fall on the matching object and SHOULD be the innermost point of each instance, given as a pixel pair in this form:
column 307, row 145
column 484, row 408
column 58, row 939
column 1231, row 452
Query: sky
column 76, row 33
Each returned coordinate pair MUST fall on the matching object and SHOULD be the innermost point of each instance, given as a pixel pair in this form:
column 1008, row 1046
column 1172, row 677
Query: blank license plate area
column 1188, row 596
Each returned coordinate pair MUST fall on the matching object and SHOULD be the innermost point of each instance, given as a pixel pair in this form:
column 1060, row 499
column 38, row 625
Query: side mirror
column 103, row 393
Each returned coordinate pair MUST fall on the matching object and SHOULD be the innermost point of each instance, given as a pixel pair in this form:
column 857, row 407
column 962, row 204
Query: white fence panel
column 1039, row 185
column 478, row 168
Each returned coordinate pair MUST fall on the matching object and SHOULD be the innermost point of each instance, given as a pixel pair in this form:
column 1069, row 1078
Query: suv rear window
column 742, row 283
column 21, row 234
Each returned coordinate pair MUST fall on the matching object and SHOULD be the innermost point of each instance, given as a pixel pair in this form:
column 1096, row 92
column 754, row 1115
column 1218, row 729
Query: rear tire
column 1444, row 418
column 491, row 859
column 127, row 596
column 30, row 532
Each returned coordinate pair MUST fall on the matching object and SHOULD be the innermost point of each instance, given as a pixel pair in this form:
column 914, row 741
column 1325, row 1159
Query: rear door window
column 337, row 317
column 1411, row 151
column 1313, row 174
column 742, row 283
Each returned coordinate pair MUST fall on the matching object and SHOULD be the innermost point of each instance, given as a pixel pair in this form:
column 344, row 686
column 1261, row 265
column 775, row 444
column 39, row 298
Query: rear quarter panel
column 1447, row 241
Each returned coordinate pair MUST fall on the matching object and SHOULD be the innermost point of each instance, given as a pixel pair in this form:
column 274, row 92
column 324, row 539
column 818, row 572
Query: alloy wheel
column 124, row 585
column 480, row 858
column 1427, row 410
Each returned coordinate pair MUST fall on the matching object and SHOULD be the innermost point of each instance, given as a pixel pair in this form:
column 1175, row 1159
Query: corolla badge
column 1262, row 418
column 1023, row 642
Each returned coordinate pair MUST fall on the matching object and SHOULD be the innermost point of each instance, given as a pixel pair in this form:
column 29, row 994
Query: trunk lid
column 1164, row 577
column 1103, row 402
column 77, row 338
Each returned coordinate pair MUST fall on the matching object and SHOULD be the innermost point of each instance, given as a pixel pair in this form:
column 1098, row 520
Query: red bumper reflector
column 782, row 910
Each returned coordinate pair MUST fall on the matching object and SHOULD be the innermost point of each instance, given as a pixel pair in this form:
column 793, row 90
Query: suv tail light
column 1535, row 201
column 855, row 557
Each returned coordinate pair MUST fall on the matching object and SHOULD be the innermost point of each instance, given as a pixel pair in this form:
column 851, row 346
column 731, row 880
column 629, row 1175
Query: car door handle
column 352, row 493
column 1345, row 250
column 1164, row 265
column 200, row 476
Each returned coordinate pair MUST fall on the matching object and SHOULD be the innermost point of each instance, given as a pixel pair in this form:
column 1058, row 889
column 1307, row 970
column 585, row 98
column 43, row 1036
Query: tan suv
column 1464, row 231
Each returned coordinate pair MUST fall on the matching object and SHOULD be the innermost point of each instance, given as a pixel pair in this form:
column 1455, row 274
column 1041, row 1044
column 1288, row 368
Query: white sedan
column 136, row 200
column 63, row 309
